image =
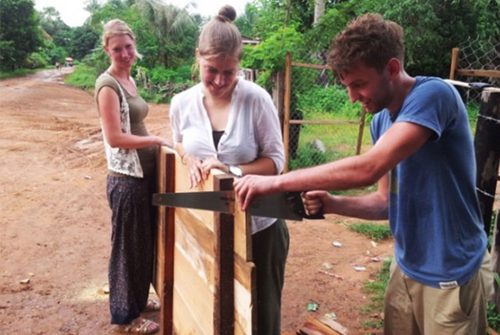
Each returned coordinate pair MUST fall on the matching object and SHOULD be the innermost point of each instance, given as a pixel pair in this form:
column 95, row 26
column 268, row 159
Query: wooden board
column 204, row 273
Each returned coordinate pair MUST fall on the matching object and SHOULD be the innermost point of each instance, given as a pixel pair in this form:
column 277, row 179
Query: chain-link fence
column 320, row 123
column 477, row 64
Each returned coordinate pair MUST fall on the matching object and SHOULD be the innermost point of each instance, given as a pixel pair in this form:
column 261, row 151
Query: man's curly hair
column 370, row 39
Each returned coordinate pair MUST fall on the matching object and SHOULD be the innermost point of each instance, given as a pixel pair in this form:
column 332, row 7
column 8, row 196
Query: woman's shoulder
column 187, row 95
column 105, row 80
column 251, row 91
column 251, row 87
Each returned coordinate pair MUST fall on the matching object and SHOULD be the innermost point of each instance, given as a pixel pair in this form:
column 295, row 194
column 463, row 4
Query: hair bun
column 228, row 13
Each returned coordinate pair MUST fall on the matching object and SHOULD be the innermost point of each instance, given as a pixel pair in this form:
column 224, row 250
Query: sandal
column 139, row 326
column 152, row 306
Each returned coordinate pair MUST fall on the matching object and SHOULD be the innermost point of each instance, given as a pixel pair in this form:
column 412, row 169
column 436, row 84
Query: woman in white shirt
column 229, row 123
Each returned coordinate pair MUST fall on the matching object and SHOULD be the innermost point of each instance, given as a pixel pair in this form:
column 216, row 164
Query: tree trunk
column 319, row 10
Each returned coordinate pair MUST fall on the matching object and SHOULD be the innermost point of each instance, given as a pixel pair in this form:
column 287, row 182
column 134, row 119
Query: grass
column 376, row 289
column 375, row 231
column 82, row 77
column 17, row 73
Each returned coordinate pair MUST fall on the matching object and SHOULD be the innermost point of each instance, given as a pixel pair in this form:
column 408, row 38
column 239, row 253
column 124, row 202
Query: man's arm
column 372, row 206
column 401, row 141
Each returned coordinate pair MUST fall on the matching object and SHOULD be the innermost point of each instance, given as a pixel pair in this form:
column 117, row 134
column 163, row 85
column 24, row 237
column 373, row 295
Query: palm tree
column 169, row 24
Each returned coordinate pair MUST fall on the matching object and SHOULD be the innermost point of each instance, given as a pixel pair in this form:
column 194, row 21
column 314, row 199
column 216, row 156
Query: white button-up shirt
column 252, row 130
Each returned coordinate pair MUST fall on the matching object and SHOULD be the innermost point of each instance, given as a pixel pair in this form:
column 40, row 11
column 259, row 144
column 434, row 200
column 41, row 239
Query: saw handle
column 295, row 199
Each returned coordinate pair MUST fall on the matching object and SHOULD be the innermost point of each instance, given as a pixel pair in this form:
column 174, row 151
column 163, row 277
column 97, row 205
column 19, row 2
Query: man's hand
column 248, row 187
column 316, row 201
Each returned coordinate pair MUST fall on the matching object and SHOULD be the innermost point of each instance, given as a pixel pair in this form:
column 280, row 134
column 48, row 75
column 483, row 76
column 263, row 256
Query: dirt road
column 55, row 231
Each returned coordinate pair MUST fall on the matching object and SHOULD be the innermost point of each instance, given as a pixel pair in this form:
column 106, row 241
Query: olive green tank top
column 138, row 110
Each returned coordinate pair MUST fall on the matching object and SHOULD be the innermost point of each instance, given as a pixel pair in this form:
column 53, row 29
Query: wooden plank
column 454, row 61
column 193, row 294
column 223, row 266
column 245, row 297
column 193, row 250
column 182, row 185
column 286, row 105
column 479, row 73
column 165, row 242
column 183, row 323
column 243, row 272
column 322, row 122
column 242, row 233
column 196, row 228
column 313, row 66
column 204, row 271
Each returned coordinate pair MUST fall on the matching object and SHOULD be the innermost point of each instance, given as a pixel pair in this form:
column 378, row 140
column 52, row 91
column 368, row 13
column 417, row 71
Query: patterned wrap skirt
column 132, row 245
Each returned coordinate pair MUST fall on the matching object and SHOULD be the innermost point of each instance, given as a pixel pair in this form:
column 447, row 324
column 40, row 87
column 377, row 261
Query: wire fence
column 476, row 67
column 476, row 63
column 320, row 123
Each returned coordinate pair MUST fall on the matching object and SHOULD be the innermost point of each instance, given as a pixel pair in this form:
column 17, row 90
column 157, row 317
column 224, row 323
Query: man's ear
column 393, row 66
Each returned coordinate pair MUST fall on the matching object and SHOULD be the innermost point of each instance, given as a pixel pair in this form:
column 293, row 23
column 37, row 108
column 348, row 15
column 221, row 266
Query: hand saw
column 287, row 205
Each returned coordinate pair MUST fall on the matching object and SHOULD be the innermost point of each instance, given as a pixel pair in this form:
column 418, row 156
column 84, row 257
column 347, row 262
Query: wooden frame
column 455, row 71
column 204, row 274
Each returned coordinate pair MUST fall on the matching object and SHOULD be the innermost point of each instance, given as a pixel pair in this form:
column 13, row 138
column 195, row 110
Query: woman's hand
column 195, row 168
column 213, row 163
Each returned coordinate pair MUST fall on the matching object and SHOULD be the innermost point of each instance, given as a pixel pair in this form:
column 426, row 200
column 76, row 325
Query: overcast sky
column 73, row 14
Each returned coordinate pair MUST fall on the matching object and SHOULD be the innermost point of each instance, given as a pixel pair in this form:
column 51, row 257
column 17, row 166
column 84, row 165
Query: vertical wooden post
column 487, row 147
column 454, row 61
column 278, row 93
column 286, row 112
column 360, row 132
column 164, row 281
column 495, row 262
column 224, row 265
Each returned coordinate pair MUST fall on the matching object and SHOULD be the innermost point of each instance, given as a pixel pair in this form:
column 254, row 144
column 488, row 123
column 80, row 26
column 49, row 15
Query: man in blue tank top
column 423, row 161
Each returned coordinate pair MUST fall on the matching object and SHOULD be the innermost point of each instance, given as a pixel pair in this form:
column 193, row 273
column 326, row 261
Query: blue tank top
column 433, row 208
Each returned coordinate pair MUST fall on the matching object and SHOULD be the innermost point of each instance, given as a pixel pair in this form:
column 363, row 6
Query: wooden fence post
column 454, row 61
column 286, row 111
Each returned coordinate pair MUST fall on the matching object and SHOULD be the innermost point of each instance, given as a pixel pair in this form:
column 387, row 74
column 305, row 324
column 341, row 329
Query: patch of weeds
column 491, row 312
column 375, row 231
column 376, row 290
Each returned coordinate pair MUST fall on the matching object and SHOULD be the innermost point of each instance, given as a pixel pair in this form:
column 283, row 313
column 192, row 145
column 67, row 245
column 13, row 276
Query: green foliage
column 493, row 316
column 159, row 84
column 269, row 56
column 375, row 231
column 36, row 60
column 84, row 40
column 306, row 156
column 83, row 77
column 246, row 21
column 434, row 27
column 15, row 73
column 19, row 33
column 319, row 37
column 160, row 75
column 376, row 289
column 329, row 100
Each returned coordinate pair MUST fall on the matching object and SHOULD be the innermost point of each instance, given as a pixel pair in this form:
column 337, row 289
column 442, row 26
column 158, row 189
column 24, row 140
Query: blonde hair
column 220, row 37
column 117, row 27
